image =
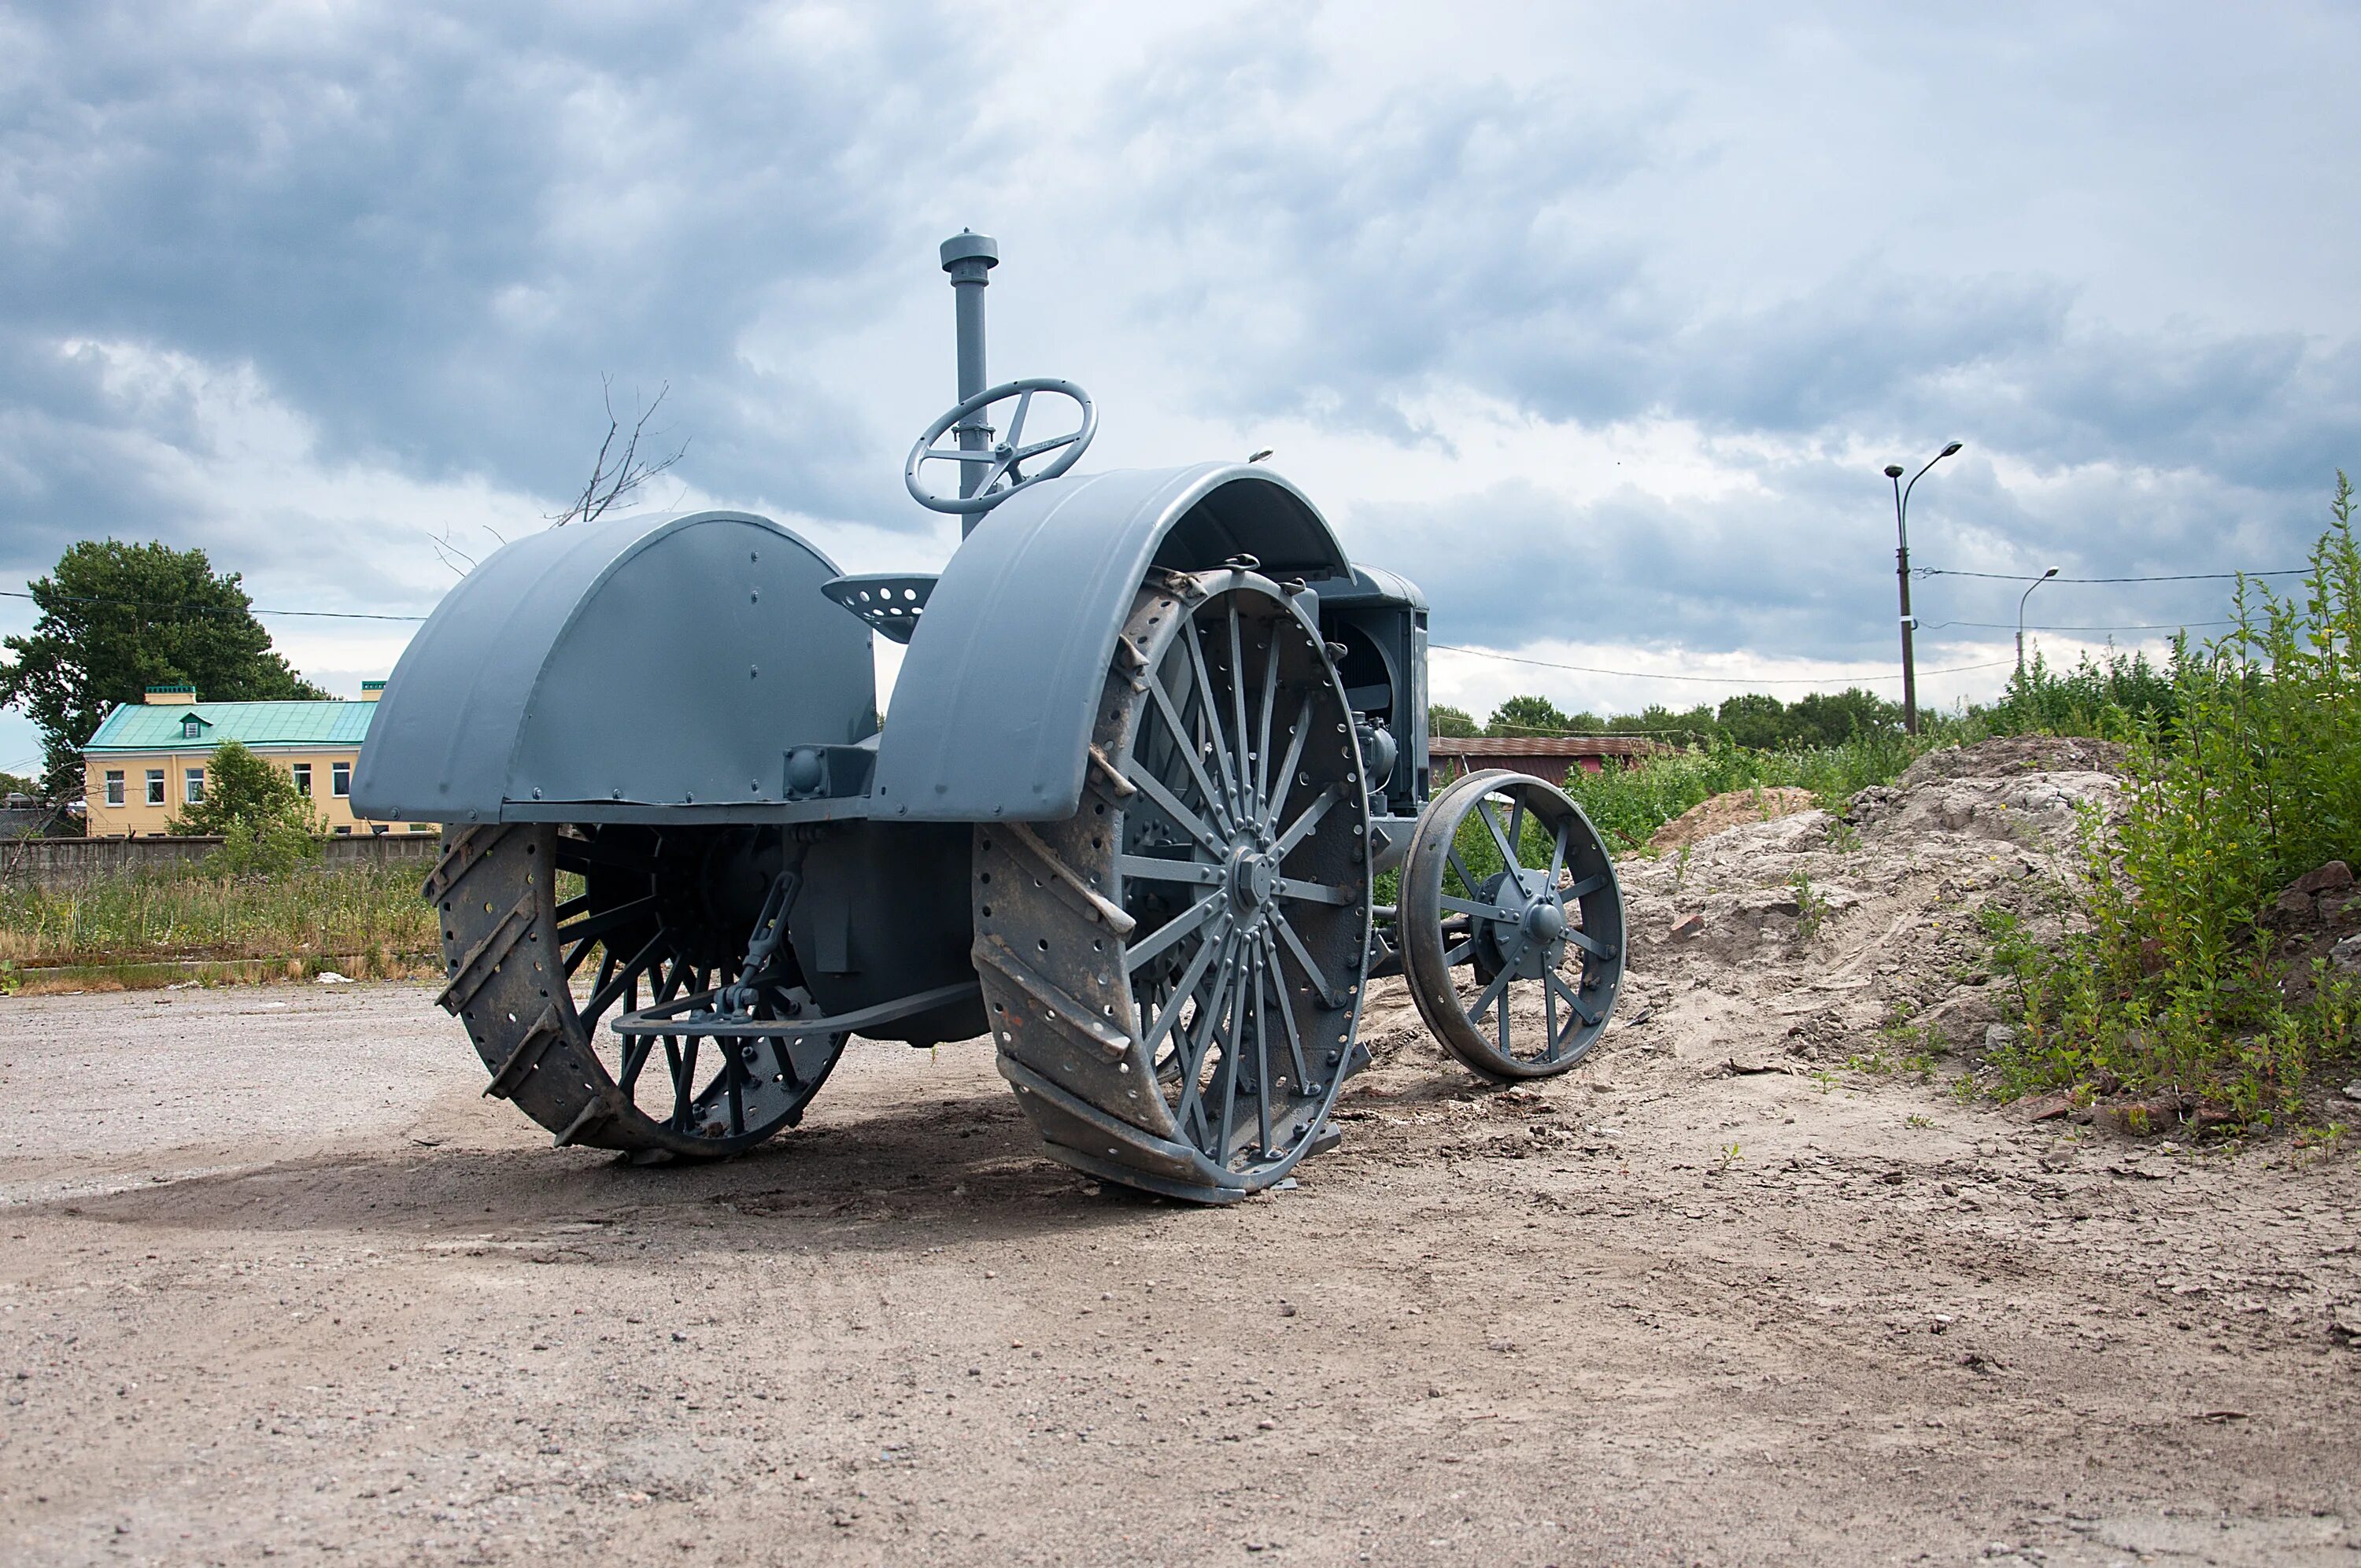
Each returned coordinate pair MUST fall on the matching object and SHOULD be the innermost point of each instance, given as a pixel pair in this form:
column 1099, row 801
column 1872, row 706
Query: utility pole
column 1902, row 575
column 2020, row 621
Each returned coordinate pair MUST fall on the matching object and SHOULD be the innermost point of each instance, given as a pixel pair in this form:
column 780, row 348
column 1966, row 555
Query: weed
column 1811, row 909
column 1730, row 1156
column 1843, row 837
column 2249, row 775
column 1918, row 1121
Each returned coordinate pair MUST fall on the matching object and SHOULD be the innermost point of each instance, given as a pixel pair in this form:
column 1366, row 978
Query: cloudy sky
column 1597, row 320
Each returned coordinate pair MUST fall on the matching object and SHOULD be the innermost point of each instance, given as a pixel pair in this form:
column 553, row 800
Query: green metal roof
column 143, row 728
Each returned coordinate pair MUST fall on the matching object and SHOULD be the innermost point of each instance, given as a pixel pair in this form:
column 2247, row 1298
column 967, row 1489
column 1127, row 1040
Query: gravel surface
column 283, row 1297
column 276, row 1281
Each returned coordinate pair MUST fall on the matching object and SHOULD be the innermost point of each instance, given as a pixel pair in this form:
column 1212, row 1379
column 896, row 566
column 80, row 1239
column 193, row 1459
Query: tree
column 1528, row 716
column 1448, row 721
column 17, row 784
column 1754, row 719
column 264, row 825
column 117, row 618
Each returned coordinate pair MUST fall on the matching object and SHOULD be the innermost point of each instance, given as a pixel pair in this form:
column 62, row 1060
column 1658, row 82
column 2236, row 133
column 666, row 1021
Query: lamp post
column 2020, row 621
column 1902, row 574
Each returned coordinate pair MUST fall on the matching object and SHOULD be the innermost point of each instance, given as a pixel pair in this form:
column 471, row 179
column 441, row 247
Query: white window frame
column 340, row 780
column 303, row 772
column 193, row 786
column 115, row 786
column 155, row 786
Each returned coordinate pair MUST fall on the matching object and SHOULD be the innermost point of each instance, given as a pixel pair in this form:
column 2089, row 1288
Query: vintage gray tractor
column 1154, row 749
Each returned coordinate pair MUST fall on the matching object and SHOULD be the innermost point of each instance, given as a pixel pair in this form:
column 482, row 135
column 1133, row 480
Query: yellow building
column 146, row 763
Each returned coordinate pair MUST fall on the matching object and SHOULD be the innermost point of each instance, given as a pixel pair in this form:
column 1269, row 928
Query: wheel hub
column 1529, row 937
column 1253, row 879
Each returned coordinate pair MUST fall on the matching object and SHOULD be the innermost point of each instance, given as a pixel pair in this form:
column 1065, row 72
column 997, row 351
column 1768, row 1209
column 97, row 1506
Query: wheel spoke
column 1491, row 994
column 1152, row 868
column 1470, row 907
column 1183, row 817
column 1214, row 796
column 1317, row 891
column 1270, row 695
column 1508, row 852
column 607, row 920
column 1516, row 827
column 571, row 907
column 1286, row 780
column 1467, row 884
column 1172, row 930
column 1460, row 954
column 1211, row 708
column 1303, row 825
column 684, row 1075
column 1507, row 996
column 625, row 977
column 1286, row 1013
column 1557, row 855
column 1198, row 1038
column 1248, row 798
column 1573, row 999
column 1262, row 1057
column 1549, row 1017
column 635, row 1058
column 1585, row 888
column 1582, row 940
column 1182, row 992
column 1328, row 995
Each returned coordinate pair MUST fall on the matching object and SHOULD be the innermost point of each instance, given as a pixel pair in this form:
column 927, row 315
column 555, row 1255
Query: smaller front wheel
column 1510, row 926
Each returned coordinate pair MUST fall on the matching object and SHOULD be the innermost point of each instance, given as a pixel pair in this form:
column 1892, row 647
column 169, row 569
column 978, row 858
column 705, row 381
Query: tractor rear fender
column 653, row 668
column 993, row 707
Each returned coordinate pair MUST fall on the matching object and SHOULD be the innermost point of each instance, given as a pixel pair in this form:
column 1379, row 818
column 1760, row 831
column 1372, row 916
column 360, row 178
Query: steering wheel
column 1003, row 462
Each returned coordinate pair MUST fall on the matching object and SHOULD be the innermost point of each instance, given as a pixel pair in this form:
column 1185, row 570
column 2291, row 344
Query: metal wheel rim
column 1226, row 833
column 544, row 1044
column 1474, row 944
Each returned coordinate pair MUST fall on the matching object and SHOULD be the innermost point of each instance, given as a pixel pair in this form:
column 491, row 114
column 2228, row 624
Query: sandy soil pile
column 1708, row 817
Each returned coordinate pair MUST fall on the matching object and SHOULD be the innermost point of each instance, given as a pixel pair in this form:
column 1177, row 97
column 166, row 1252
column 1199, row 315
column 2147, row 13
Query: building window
column 195, row 781
column 115, row 786
column 303, row 780
column 345, row 830
column 192, row 729
column 155, row 786
column 340, row 779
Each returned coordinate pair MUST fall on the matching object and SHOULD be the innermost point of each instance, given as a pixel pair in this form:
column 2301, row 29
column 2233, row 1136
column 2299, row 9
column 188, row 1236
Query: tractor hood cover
column 994, row 702
column 665, row 660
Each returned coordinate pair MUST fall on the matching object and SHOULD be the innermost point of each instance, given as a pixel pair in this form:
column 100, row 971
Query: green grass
column 151, row 916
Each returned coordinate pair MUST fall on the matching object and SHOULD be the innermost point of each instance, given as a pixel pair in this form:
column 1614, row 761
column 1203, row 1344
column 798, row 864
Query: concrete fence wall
column 66, row 863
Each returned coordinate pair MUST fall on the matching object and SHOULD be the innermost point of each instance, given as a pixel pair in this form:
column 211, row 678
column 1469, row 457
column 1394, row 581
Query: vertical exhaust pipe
column 970, row 258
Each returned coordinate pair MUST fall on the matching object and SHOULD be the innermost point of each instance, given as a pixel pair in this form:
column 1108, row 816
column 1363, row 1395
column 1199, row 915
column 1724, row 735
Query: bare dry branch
column 615, row 476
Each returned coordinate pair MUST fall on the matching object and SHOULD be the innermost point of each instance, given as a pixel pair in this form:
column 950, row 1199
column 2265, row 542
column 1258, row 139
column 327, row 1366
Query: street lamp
column 1902, row 573
column 2020, row 621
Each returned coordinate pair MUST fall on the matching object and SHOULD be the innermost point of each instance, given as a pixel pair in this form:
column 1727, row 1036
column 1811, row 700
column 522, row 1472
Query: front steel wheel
column 1512, row 926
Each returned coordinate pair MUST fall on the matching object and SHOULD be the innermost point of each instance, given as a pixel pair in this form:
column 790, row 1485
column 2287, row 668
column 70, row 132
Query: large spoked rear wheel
column 1175, row 973
column 1512, row 926
column 659, row 915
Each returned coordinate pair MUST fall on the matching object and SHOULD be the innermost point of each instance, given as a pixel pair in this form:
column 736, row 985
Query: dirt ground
column 276, row 1282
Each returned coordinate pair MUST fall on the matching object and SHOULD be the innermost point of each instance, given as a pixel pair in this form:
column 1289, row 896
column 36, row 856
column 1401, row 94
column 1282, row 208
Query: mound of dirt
column 1708, row 817
column 1824, row 940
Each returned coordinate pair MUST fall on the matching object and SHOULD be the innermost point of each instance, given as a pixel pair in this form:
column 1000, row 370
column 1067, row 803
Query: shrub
column 2249, row 775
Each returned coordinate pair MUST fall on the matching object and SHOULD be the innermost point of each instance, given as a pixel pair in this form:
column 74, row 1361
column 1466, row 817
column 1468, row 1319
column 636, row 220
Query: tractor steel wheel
column 662, row 914
column 1506, row 896
column 1174, row 974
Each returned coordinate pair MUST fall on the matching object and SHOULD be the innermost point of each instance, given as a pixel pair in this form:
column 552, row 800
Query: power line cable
column 1707, row 680
column 186, row 608
column 2011, row 626
column 2171, row 577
